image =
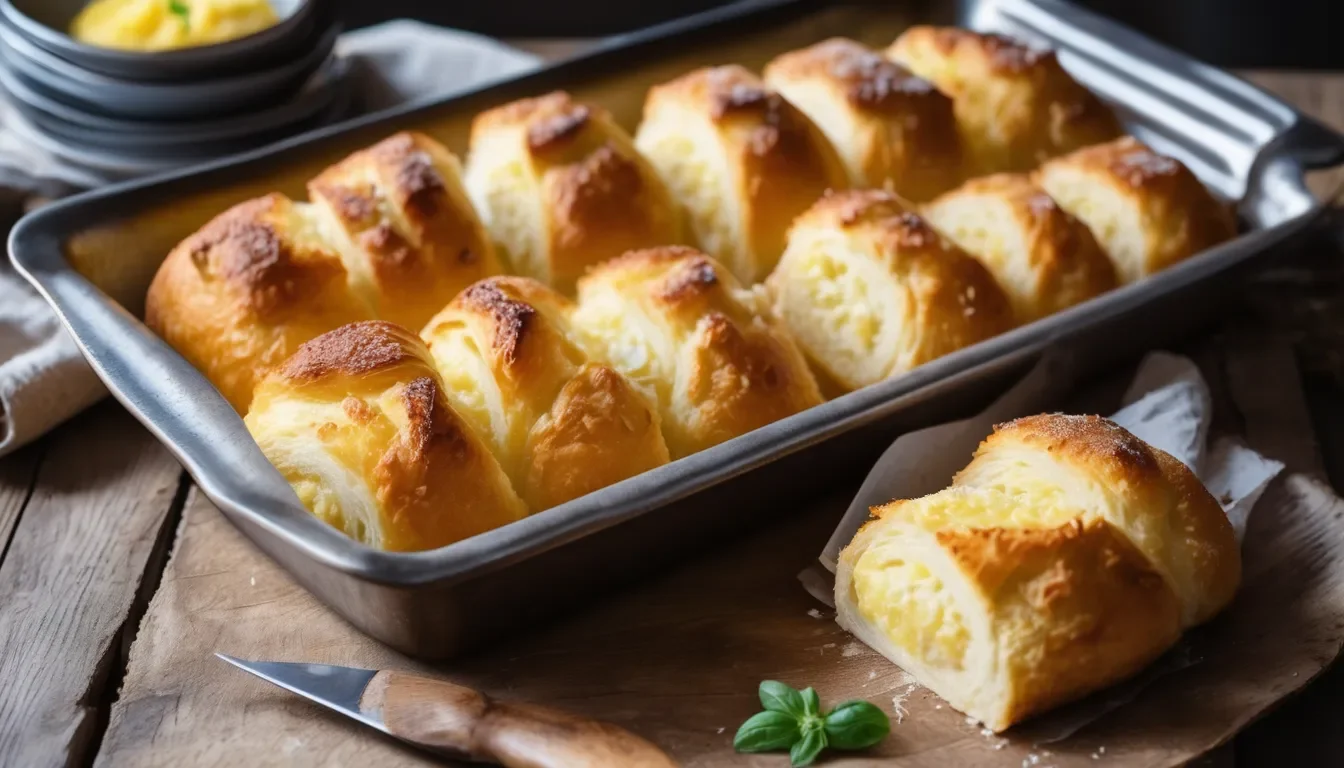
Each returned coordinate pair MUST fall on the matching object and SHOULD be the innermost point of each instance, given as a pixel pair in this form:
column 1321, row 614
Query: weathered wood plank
column 17, row 474
column 70, row 581
column 181, row 706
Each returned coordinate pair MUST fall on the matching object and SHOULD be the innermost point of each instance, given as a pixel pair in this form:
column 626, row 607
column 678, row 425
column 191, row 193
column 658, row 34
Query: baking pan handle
column 173, row 400
column 1215, row 122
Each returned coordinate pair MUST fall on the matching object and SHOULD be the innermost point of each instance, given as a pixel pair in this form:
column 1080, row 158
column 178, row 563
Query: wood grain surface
column 85, row 515
column 70, row 580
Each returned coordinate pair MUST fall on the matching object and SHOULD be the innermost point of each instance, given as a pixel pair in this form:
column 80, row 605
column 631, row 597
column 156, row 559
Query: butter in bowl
column 143, row 85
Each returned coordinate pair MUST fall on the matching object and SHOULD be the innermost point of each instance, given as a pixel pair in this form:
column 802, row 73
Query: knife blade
column 458, row 721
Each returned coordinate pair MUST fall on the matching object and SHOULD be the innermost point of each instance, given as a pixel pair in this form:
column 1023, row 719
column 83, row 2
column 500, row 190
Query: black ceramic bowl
column 132, row 99
column 45, row 24
column 64, row 122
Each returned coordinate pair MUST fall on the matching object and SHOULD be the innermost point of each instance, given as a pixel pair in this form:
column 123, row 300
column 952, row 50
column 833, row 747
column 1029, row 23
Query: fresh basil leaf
column 767, row 730
column 778, row 697
column 856, row 725
column 805, row 751
column 811, row 702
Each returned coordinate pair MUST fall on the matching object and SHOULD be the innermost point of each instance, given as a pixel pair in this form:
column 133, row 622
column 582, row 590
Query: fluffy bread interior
column 505, row 192
column 845, row 310
column 1115, row 219
column 620, row 331
column 691, row 162
column 326, row 474
column 984, row 225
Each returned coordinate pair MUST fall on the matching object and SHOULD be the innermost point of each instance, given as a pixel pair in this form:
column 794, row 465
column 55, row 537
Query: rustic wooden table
column 118, row 580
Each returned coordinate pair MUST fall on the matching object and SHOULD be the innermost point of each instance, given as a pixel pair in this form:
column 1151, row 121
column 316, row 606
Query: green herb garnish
column 179, row 9
column 792, row 720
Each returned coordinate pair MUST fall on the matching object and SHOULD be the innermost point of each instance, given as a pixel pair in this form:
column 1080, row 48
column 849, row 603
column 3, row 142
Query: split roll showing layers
column 740, row 160
column 1067, row 556
column 871, row 291
column 390, row 235
column 1015, row 106
column 562, row 188
column 358, row 423
column 891, row 128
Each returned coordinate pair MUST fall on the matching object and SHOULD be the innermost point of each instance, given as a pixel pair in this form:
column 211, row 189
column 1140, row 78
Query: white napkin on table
column 43, row 378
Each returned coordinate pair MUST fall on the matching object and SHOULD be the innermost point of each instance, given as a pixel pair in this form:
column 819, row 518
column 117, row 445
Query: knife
column 460, row 722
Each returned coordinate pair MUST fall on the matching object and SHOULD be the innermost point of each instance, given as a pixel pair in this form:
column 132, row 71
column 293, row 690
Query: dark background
column 1229, row 33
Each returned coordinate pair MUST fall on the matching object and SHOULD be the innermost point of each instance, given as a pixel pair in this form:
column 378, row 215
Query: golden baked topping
column 1094, row 437
column 558, row 127
column 693, row 277
column 511, row 317
column 351, row 350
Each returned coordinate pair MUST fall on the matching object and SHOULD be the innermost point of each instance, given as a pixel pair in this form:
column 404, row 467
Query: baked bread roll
column 1043, row 258
column 560, row 424
column 706, row 350
column 399, row 217
column 869, row 290
column 1066, row 557
column 891, row 128
column 1016, row 106
column 563, row 188
column 357, row 422
column 240, row 295
column 740, row 160
column 1148, row 211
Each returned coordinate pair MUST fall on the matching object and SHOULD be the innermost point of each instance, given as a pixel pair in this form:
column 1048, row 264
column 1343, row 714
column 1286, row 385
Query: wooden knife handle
column 468, row 724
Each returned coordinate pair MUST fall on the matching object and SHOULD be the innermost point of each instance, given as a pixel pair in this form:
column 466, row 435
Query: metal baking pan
column 93, row 256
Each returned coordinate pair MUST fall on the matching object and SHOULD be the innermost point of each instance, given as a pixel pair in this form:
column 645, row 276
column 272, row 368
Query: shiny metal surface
column 1244, row 143
column 336, row 688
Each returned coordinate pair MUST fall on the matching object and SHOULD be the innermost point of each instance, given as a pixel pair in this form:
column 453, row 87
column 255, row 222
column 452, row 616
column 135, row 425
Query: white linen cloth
column 43, row 378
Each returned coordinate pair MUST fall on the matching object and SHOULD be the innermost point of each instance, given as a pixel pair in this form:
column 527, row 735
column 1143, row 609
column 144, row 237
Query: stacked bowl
column 125, row 112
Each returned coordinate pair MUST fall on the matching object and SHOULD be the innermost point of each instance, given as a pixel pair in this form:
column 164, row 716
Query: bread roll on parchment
column 560, row 424
column 740, row 160
column 891, row 128
column 563, row 188
column 1016, row 106
column 1066, row 557
column 358, row 423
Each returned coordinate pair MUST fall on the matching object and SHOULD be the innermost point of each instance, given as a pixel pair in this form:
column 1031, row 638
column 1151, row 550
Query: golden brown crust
column 1044, row 258
column 1189, row 529
column 891, row 127
column 1016, row 106
column 239, row 296
column 1104, row 612
column 356, row 349
column 410, row 237
column 1177, row 217
column 590, row 195
column 561, row 425
column 932, row 298
column 768, row 159
column 358, row 423
column 726, row 370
